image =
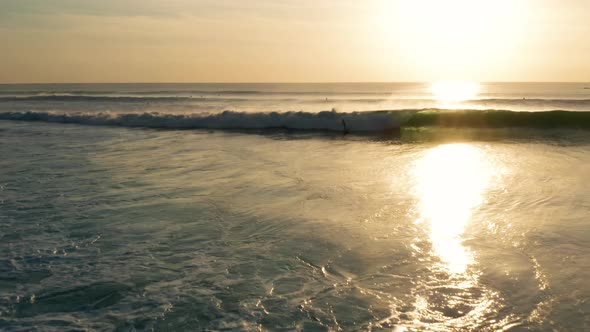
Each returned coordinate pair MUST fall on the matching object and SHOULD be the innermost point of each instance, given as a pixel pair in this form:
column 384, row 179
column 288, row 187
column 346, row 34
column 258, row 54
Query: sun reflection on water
column 454, row 94
column 454, row 91
column 450, row 182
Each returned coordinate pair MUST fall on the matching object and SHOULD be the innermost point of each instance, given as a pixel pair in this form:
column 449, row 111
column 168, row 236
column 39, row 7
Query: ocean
column 307, row 207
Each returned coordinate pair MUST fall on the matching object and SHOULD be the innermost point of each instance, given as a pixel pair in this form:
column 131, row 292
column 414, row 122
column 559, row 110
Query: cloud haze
column 227, row 40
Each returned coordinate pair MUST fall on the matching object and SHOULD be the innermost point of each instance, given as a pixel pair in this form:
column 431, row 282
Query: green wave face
column 495, row 119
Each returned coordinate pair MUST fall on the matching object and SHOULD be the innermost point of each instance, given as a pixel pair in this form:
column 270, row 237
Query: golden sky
column 294, row 40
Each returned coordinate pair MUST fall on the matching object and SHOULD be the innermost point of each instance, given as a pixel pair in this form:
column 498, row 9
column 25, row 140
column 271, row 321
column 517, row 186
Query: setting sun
column 456, row 39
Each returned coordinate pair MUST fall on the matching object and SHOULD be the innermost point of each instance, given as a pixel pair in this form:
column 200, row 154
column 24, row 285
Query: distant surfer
column 344, row 128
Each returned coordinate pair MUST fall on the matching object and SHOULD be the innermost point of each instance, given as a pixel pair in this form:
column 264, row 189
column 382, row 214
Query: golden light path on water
column 451, row 181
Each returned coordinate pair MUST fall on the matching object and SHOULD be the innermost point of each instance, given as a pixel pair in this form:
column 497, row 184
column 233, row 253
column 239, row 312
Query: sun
column 454, row 39
column 453, row 91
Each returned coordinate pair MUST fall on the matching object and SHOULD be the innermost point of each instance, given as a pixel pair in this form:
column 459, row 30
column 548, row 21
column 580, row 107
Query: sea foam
column 323, row 121
column 371, row 121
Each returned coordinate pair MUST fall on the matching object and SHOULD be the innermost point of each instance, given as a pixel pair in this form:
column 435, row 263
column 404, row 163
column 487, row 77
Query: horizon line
column 286, row 82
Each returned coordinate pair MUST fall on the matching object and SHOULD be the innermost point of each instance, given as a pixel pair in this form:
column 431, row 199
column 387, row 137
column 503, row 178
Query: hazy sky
column 293, row 40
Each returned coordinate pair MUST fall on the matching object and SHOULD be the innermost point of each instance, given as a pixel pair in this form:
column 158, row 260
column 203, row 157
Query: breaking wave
column 323, row 121
column 374, row 121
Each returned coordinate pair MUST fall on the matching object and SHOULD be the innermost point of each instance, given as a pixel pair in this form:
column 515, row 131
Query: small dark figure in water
column 344, row 128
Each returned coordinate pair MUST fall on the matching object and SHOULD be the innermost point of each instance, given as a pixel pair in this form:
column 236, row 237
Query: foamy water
column 437, row 229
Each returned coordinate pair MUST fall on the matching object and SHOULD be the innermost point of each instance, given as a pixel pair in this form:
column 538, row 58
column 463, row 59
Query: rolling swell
column 373, row 121
column 92, row 98
column 321, row 121
column 498, row 119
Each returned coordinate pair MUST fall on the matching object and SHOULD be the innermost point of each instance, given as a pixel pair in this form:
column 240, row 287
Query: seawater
column 131, row 229
column 266, row 97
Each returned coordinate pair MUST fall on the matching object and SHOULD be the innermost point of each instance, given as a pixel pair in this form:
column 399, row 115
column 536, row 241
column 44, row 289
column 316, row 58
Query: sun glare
column 450, row 183
column 454, row 91
column 454, row 38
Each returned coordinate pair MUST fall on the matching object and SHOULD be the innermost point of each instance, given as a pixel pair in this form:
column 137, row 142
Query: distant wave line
column 64, row 97
column 184, row 92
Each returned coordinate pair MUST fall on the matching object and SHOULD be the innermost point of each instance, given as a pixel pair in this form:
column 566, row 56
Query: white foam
column 324, row 121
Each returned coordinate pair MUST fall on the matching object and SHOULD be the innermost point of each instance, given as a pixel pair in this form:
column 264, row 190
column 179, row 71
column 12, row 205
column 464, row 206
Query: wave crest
column 373, row 121
column 326, row 121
